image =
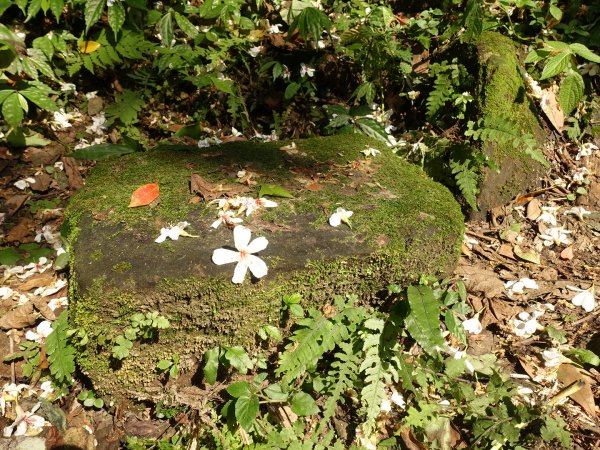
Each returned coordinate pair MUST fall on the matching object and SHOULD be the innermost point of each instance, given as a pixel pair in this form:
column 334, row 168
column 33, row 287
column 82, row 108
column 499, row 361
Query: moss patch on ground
column 404, row 225
column 502, row 93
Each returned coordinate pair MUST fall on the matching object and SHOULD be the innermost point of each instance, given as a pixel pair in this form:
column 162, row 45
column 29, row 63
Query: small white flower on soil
column 47, row 389
column 578, row 175
column 473, row 325
column 173, row 233
column 61, row 119
column 306, row 70
column 10, row 393
column 45, row 291
column 207, row 142
column 253, row 204
column 552, row 357
column 397, row 399
column 370, row 151
column 43, row 330
column 273, row 29
column 244, row 255
column 586, row 150
column 6, row 292
column 556, row 236
column 26, row 423
column 226, row 218
column 578, row 211
column 548, row 215
column 340, row 215
column 255, row 51
column 519, row 286
column 98, row 124
column 525, row 325
column 286, row 74
column 585, row 298
column 58, row 303
column 386, row 406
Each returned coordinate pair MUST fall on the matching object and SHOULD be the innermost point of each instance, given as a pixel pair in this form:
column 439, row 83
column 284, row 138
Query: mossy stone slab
column 502, row 93
column 404, row 225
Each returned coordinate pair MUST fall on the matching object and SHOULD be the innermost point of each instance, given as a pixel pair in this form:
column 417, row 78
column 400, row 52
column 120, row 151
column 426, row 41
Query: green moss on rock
column 404, row 225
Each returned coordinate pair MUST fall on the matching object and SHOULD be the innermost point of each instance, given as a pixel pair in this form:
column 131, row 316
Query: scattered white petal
column 552, row 357
column 306, row 70
column 579, row 175
column 397, row 399
column 525, row 325
column 586, row 149
column 386, row 406
column 24, row 183
column 585, row 298
column 173, row 232
column 556, row 236
column 519, row 286
column 43, row 330
column 255, row 51
column 578, row 211
column 473, row 325
column 226, row 218
column 371, row 151
column 6, row 292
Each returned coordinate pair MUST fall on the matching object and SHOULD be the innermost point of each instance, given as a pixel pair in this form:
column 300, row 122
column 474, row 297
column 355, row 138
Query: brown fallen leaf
column 42, row 306
column 314, row 187
column 527, row 255
column 42, row 182
column 567, row 374
column 410, row 440
column 35, row 281
column 14, row 203
column 507, row 251
column 42, row 156
column 481, row 280
column 534, row 209
column 72, row 170
column 567, row 253
column 20, row 317
column 21, row 232
column 208, row 191
column 551, row 107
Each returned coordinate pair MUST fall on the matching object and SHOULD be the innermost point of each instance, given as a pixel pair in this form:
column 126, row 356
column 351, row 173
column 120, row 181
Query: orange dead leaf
column 567, row 253
column 144, row 195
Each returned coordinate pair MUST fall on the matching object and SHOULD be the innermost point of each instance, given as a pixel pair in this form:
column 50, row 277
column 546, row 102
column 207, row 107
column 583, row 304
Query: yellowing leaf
column 144, row 195
column 89, row 46
column 530, row 256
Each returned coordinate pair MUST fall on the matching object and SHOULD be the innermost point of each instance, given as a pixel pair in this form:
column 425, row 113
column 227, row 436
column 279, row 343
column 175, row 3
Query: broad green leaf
column 246, row 410
column 372, row 128
column 5, row 93
column 555, row 12
column 584, row 52
column 557, row 45
column 12, row 111
column 291, row 90
column 8, row 53
column 164, row 364
column 57, row 6
column 238, row 358
column 304, row 405
column 238, row 389
column 186, row 26
column 571, row 92
column 33, row 9
column 116, row 16
column 273, row 191
column 9, row 256
column 311, row 21
column 34, row 252
column 556, row 334
column 23, row 137
column 39, row 97
column 454, row 327
column 536, row 55
column 530, row 256
column 92, row 12
column 101, row 151
column 165, row 25
column 366, row 90
column 556, row 64
column 275, row 392
column 584, row 356
column 473, row 20
column 23, row 102
column 423, row 321
column 192, row 131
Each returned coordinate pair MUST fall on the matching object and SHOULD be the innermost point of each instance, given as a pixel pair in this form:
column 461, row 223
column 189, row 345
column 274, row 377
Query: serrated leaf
column 246, row 410
column 372, row 128
column 101, row 151
column 61, row 354
column 165, row 25
column 555, row 12
column 92, row 12
column 116, row 16
column 238, row 389
column 275, row 392
column 273, row 191
column 186, row 26
column 12, row 111
column 556, row 64
column 571, row 92
column 584, row 52
column 238, row 358
column 423, row 321
column 304, row 405
column 57, row 6
column 473, row 20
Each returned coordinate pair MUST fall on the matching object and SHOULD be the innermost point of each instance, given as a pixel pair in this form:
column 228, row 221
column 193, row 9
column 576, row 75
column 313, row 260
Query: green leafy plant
column 90, row 400
column 143, row 327
column 169, row 366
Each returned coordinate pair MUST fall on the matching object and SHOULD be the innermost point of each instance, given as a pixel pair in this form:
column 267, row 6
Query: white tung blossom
column 226, row 218
column 43, row 330
column 552, row 357
column 26, row 423
column 473, row 325
column 578, row 211
column 526, row 324
column 244, row 255
column 519, row 286
column 370, row 151
column 173, row 232
column 556, row 236
column 306, row 70
column 255, row 51
column 586, row 150
column 585, row 298
column 340, row 215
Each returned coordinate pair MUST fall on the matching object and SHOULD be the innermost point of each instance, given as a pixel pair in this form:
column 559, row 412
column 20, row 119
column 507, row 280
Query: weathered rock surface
column 404, row 225
column 502, row 93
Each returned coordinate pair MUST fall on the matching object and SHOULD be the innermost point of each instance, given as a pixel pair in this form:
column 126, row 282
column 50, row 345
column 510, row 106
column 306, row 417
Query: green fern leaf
column 126, row 108
column 467, row 181
column 423, row 321
column 373, row 392
column 61, row 354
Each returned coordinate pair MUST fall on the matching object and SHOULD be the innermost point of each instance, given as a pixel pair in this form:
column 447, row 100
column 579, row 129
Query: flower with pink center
column 244, row 255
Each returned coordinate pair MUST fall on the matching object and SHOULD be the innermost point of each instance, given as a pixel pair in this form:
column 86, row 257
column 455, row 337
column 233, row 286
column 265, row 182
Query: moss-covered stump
column 502, row 93
column 404, row 225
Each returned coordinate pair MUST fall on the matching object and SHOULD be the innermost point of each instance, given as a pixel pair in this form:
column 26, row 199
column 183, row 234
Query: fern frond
column 467, row 180
column 61, row 353
column 441, row 93
column 126, row 108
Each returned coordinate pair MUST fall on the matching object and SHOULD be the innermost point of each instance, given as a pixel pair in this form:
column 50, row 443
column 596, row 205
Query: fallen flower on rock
column 244, row 257
column 173, row 232
column 226, row 218
column 26, row 423
column 340, row 215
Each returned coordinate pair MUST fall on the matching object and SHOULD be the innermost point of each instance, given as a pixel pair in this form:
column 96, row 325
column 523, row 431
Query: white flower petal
column 473, row 325
column 239, row 273
column 335, row 220
column 241, row 237
column 225, row 256
column 257, row 266
column 257, row 245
